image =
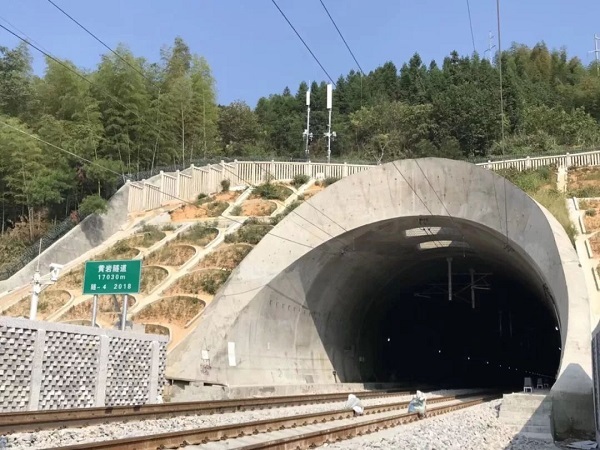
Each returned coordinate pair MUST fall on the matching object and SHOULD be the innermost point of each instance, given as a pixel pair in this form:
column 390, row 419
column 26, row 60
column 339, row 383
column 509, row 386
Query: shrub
column 585, row 192
column 590, row 212
column 168, row 227
column 329, row 181
column 236, row 211
column 225, row 184
column 299, row 180
column 211, row 283
column 93, row 204
column 215, row 209
column 199, row 234
column 250, row 233
column 270, row 191
column 279, row 217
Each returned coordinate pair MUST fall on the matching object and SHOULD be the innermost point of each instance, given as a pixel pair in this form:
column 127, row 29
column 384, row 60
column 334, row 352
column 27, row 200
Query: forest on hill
column 66, row 136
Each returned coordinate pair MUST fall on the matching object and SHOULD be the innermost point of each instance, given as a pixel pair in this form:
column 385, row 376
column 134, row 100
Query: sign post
column 112, row 277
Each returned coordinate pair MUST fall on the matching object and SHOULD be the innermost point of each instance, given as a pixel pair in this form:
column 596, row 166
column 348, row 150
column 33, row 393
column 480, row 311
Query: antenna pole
column 596, row 53
column 330, row 134
column 306, row 135
column 491, row 46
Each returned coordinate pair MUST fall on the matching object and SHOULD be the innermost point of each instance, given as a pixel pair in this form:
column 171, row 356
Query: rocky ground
column 474, row 428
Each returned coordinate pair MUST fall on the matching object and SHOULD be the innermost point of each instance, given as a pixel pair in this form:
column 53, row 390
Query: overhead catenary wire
column 78, row 156
column 362, row 72
column 342, row 36
column 303, row 41
column 175, row 197
column 470, row 26
column 33, row 136
column 98, row 39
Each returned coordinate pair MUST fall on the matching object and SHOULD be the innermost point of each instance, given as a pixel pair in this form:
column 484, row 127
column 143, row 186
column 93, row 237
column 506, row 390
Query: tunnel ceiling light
column 389, row 339
column 431, row 231
column 430, row 245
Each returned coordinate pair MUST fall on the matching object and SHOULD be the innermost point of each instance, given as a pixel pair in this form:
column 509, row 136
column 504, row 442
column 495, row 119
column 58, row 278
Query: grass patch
column 227, row 258
column 152, row 277
column 271, row 191
column 250, row 233
column 216, row 208
column 156, row 329
column 529, row 181
column 149, row 236
column 585, row 192
column 200, row 234
column 540, row 184
column 170, row 255
column 121, row 250
column 48, row 303
column 208, row 281
column 288, row 209
column 109, row 307
column 70, row 280
column 179, row 310
column 555, row 202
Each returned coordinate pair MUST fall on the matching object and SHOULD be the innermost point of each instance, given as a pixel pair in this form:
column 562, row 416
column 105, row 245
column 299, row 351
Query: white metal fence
column 186, row 185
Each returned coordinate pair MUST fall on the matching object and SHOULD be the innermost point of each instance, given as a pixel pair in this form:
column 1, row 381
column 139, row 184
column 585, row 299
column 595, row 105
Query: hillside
column 124, row 119
column 189, row 250
column 186, row 258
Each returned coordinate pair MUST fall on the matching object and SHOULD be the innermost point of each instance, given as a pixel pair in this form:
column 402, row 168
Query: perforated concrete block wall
column 47, row 365
column 16, row 364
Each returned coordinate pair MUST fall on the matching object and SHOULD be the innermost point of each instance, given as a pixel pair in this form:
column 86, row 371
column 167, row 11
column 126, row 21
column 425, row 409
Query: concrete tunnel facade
column 312, row 301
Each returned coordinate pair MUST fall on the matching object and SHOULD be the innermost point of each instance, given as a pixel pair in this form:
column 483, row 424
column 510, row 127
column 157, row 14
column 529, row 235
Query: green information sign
column 112, row 277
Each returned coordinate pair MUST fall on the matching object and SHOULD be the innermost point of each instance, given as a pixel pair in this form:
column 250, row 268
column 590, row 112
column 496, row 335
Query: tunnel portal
column 365, row 261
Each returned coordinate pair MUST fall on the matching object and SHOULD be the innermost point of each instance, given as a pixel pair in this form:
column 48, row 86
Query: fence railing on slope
column 180, row 186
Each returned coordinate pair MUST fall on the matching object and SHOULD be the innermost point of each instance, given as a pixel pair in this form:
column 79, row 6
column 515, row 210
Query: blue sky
column 253, row 52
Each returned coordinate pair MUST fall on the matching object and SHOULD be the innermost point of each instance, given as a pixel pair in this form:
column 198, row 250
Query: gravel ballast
column 474, row 428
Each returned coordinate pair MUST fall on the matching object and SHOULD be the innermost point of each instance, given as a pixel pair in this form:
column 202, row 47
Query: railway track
column 79, row 417
column 294, row 432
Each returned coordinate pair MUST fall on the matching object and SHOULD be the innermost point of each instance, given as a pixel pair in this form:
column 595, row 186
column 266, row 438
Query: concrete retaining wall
column 91, row 232
column 47, row 365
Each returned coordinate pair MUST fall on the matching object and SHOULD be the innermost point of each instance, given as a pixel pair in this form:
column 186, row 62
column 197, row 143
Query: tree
column 238, row 128
column 30, row 180
column 16, row 90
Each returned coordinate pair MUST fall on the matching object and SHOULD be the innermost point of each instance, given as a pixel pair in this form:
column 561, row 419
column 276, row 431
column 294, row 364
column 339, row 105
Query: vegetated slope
column 541, row 184
column 584, row 183
column 164, row 255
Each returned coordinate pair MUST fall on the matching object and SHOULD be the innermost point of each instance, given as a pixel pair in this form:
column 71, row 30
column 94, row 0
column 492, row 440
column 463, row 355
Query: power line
column 87, row 80
column 97, row 39
column 32, row 136
column 342, row 36
column 502, row 116
column 470, row 26
column 158, row 190
column 304, row 42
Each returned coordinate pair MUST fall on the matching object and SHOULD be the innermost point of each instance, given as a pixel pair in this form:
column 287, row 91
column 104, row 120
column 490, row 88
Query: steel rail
column 203, row 435
column 77, row 417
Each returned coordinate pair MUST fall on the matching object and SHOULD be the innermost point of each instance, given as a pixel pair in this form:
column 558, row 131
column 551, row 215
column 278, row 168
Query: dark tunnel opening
column 498, row 325
column 494, row 332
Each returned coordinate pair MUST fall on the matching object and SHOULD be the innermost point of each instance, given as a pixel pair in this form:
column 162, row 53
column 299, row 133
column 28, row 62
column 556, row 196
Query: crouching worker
column 354, row 404
column 418, row 405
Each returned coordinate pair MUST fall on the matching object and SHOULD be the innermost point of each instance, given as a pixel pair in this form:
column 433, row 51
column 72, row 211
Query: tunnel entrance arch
column 276, row 320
